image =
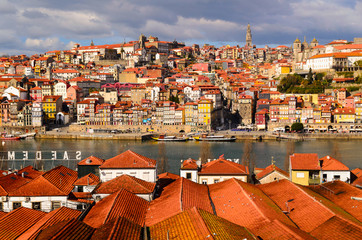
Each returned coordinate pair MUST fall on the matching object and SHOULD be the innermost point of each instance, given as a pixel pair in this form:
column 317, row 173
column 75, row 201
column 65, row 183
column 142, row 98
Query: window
column 36, row 205
column 188, row 175
column 204, row 181
column 16, row 205
column 300, row 175
column 55, row 205
column 216, row 180
column 1, row 206
column 336, row 177
column 80, row 189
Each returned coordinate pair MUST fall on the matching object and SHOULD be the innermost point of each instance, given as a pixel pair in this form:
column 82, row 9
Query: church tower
column 248, row 37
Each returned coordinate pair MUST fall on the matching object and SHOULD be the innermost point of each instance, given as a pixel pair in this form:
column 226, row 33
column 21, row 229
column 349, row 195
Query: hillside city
column 150, row 84
column 159, row 87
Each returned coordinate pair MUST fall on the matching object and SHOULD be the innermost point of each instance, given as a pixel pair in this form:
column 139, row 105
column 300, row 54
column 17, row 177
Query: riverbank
column 239, row 135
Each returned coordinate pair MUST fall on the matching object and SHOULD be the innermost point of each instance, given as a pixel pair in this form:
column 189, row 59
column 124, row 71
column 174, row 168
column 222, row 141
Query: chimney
column 198, row 163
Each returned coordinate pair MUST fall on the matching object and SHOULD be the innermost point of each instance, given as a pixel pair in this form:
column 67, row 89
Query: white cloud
column 43, row 45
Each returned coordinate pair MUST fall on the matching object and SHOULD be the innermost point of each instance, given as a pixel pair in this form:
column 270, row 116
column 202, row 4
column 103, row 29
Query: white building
column 129, row 163
column 332, row 169
column 60, row 89
column 37, row 114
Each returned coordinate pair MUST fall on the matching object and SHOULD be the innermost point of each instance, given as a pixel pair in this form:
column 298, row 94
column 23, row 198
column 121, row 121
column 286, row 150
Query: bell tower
column 248, row 37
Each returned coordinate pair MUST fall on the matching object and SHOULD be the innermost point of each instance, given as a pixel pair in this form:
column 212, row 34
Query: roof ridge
column 193, row 213
column 138, row 182
column 113, row 203
column 286, row 228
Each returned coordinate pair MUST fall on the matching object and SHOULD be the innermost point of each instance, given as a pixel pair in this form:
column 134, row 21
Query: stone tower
column 248, row 37
column 314, row 43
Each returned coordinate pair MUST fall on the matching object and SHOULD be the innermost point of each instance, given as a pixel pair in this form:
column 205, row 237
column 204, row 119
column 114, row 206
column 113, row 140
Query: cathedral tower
column 248, row 37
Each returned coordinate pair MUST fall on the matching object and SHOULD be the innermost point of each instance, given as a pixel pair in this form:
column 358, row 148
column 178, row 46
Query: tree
column 297, row 127
column 310, row 76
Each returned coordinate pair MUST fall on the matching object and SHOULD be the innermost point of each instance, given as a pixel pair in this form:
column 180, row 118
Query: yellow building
column 304, row 168
column 286, row 69
column 205, row 107
column 51, row 106
column 344, row 115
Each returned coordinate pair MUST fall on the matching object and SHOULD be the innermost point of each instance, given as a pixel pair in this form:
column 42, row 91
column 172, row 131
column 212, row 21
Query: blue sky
column 36, row 26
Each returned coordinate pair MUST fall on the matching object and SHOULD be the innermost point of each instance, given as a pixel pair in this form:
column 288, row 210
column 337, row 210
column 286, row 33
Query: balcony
column 314, row 181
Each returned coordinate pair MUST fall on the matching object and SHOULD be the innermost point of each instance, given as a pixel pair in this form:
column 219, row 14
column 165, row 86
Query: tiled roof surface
column 357, row 172
column 167, row 175
column 269, row 169
column 71, row 229
column 302, row 209
column 89, row 179
column 10, row 183
column 129, row 159
column 189, row 164
column 358, row 182
column 180, row 195
column 29, row 172
column 55, row 182
column 340, row 193
column 118, row 228
column 331, row 164
column 18, row 221
column 121, row 203
column 92, row 160
column 233, row 199
column 279, row 231
column 2, row 214
column 222, row 166
column 337, row 228
column 50, row 219
column 304, row 161
column 131, row 184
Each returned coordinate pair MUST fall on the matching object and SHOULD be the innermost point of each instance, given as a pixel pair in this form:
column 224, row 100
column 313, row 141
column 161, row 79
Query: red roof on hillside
column 222, row 166
column 332, row 164
column 189, row 164
column 337, row 228
column 129, row 159
column 304, row 161
column 269, row 169
column 89, row 179
column 92, row 160
column 131, row 184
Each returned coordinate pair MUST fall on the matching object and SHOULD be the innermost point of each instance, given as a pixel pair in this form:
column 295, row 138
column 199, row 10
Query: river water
column 170, row 154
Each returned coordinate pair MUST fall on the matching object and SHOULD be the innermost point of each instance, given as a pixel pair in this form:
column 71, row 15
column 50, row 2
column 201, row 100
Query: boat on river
column 215, row 138
column 27, row 135
column 170, row 138
column 5, row 136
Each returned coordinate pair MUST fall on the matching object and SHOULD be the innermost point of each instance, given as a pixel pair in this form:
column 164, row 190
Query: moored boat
column 170, row 138
column 215, row 138
column 5, row 136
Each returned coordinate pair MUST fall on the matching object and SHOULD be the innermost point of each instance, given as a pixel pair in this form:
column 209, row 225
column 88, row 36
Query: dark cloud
column 57, row 23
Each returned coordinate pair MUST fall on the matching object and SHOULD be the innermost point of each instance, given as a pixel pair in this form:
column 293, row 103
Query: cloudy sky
column 36, row 26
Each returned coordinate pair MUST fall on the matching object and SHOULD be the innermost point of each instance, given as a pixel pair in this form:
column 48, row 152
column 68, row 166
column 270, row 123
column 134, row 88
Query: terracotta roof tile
column 131, row 184
column 332, row 164
column 118, row 228
column 269, row 169
column 29, row 172
column 340, row 193
column 13, row 224
column 10, row 183
column 189, row 164
column 223, row 167
column 304, row 161
column 89, row 179
column 357, row 172
column 301, row 208
column 129, row 159
column 337, row 228
column 234, row 198
column 71, row 229
column 50, row 219
column 2, row 214
column 180, row 195
column 92, row 160
column 121, row 203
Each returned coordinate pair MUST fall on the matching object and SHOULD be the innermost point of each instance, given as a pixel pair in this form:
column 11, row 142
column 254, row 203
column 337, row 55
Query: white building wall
column 204, row 179
column 45, row 202
column 331, row 175
column 183, row 173
column 148, row 175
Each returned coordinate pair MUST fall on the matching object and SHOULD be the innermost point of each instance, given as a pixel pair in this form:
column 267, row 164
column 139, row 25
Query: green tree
column 297, row 127
column 310, row 76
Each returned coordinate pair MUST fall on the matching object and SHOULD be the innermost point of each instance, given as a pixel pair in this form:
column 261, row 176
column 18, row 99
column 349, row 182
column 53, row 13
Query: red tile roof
column 337, row 228
column 234, row 198
column 121, row 203
column 68, row 229
column 50, row 219
column 92, row 160
column 10, row 183
column 332, row 164
column 55, row 182
column 129, row 159
column 2, row 214
column 341, row 193
column 87, row 180
column 29, row 172
column 304, row 161
column 13, row 224
column 131, row 184
column 269, row 169
column 180, row 195
column 357, row 172
column 222, row 166
column 189, row 164
column 301, row 208
column 118, row 228
column 198, row 224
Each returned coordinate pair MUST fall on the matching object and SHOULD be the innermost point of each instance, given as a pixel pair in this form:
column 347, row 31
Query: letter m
column 11, row 155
